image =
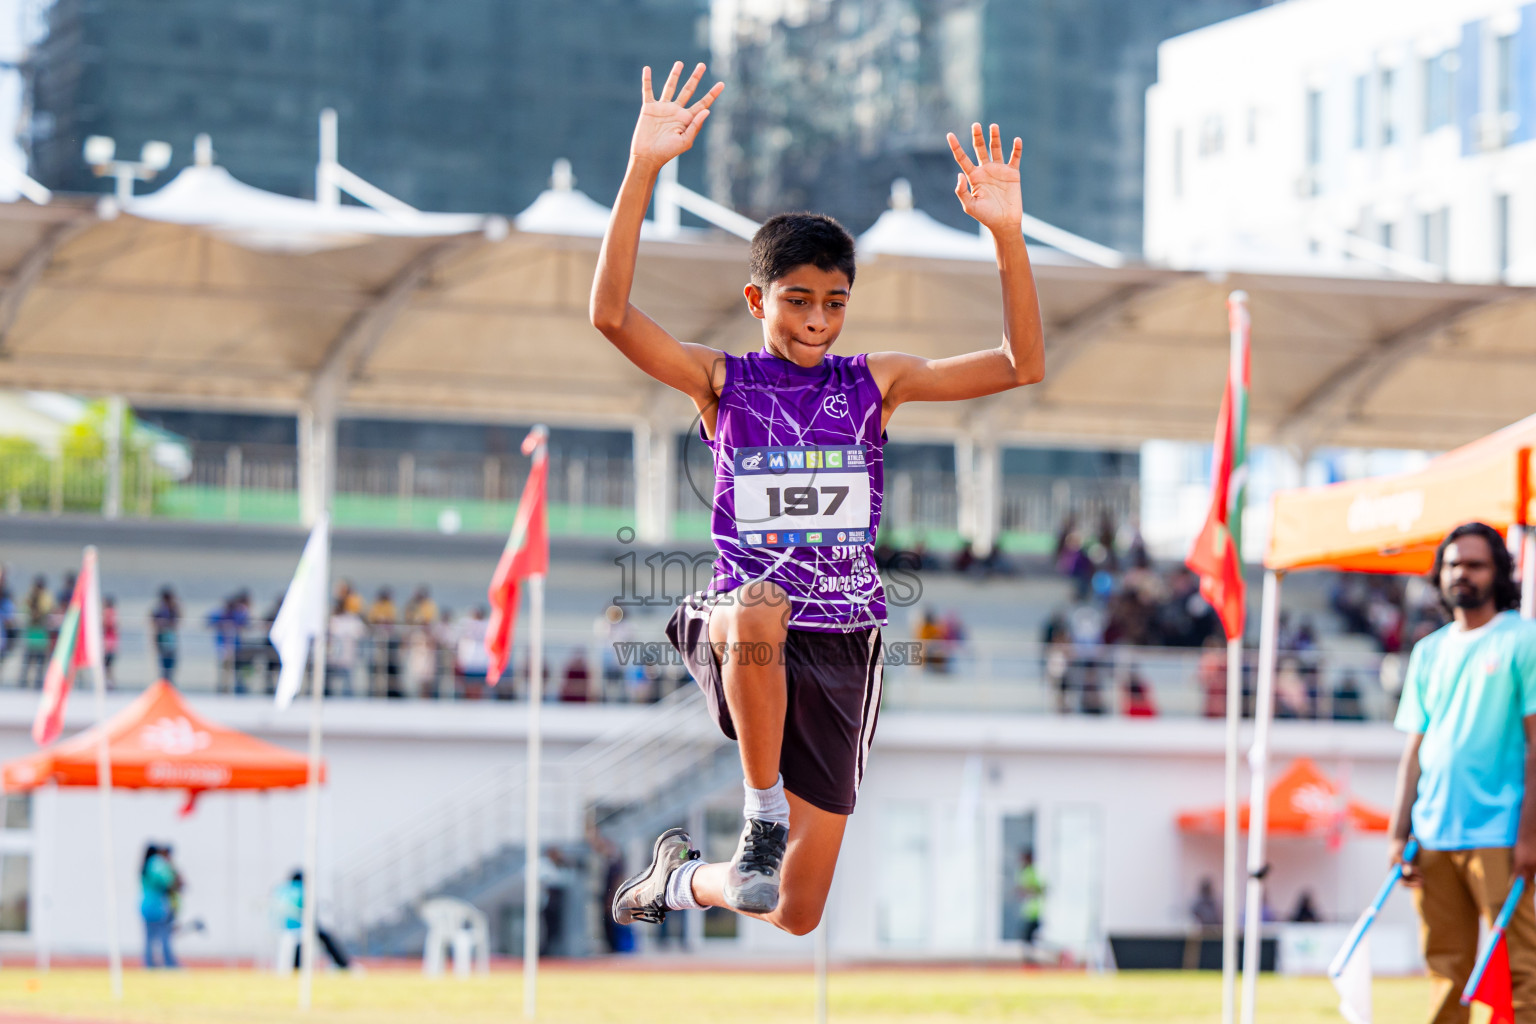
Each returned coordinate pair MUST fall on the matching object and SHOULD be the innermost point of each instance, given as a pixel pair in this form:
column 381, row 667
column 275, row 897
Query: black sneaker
column 644, row 896
column 752, row 884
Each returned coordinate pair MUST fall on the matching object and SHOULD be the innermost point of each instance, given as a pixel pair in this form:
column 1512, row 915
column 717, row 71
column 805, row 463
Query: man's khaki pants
column 1459, row 886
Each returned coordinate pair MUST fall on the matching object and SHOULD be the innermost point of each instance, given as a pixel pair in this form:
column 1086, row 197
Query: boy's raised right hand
column 667, row 125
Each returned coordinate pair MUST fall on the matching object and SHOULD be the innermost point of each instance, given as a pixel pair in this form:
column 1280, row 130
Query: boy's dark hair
column 1506, row 592
column 791, row 240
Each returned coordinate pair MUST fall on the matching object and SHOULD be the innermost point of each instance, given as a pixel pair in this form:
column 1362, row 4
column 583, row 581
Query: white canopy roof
column 210, row 197
column 466, row 326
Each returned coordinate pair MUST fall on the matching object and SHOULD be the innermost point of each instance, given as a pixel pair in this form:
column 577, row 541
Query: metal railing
column 989, row 675
column 624, row 764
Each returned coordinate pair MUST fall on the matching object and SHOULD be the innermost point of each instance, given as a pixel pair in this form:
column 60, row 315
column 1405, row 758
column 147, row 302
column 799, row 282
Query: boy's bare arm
column 988, row 189
column 666, row 129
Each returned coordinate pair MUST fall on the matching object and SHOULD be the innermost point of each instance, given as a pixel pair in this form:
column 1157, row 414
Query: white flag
column 1354, row 984
column 304, row 612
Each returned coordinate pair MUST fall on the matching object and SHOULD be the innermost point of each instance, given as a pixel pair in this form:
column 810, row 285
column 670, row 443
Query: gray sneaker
column 644, row 896
column 752, row 884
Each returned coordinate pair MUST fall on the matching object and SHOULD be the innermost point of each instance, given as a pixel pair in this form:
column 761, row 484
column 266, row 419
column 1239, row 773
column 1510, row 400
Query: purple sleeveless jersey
column 798, row 486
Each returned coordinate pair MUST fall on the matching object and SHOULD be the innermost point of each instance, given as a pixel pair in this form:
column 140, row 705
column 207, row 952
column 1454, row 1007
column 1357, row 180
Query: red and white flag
column 79, row 644
column 1495, row 989
column 1216, row 556
column 526, row 554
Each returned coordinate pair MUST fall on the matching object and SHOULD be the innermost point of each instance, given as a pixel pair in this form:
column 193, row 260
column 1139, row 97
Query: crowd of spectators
column 374, row 647
column 1394, row 611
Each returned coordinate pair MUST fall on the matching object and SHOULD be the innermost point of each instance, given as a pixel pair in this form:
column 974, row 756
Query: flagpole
column 1238, row 323
column 1258, row 797
column 311, row 888
column 531, row 846
column 93, row 646
column 1230, row 839
column 539, row 439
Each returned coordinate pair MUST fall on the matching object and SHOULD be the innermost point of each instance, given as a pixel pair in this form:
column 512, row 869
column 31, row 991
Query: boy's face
column 802, row 312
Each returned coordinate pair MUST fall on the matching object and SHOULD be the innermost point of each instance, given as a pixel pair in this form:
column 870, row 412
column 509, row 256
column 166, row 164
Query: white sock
column 768, row 804
column 680, row 888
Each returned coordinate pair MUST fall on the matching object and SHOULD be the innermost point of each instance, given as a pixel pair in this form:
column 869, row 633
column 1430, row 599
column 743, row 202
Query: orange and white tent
column 1302, row 802
column 1393, row 523
column 159, row 742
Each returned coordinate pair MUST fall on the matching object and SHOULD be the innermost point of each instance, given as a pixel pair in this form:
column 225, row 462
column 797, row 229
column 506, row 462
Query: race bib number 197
column 788, row 497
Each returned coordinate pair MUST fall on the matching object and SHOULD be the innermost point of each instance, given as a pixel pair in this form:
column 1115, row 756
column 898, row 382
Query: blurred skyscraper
column 831, row 99
column 460, row 105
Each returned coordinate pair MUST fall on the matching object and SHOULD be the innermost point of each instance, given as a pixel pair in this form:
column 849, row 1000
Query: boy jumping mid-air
column 786, row 641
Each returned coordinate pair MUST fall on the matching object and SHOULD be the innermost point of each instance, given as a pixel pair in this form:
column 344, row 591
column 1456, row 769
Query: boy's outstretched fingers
column 690, row 85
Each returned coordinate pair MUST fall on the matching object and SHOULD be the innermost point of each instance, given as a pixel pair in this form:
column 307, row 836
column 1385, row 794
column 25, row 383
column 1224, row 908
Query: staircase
column 638, row 778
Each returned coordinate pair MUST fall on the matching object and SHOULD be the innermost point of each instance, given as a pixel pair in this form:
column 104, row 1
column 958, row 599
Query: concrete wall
column 956, row 775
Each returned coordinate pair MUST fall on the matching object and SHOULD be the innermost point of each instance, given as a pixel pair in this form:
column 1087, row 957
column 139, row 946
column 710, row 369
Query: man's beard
column 1468, row 596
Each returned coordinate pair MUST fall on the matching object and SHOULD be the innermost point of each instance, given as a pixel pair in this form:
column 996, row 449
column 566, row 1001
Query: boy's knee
column 759, row 609
column 797, row 919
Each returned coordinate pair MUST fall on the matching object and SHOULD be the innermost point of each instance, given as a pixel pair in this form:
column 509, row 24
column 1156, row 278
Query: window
column 1362, row 95
column 1504, row 65
column 1253, row 126
column 1018, row 836
column 15, row 892
column 1178, row 163
column 1384, row 235
column 1439, row 92
column 1212, row 136
column 1434, row 236
column 17, row 816
column 901, row 920
column 1386, row 85
column 1501, row 232
column 1314, row 127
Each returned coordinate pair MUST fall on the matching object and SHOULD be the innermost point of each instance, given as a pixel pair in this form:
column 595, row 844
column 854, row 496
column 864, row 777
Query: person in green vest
column 1031, row 892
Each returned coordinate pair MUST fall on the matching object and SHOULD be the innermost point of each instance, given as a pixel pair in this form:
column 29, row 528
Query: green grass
column 645, row 993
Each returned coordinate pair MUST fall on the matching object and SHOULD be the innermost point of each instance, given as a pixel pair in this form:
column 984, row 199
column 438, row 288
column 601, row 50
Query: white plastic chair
column 456, row 927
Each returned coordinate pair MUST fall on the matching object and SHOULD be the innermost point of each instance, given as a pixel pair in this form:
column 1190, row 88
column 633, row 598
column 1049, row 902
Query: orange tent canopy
column 1303, row 802
column 1392, row 524
column 159, row 742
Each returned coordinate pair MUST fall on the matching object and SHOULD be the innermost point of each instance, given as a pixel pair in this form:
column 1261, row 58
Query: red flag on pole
column 1495, row 990
column 526, row 554
column 1216, row 556
column 81, row 628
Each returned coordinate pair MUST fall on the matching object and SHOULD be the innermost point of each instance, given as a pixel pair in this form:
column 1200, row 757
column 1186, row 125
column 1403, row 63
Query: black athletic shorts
column 833, row 682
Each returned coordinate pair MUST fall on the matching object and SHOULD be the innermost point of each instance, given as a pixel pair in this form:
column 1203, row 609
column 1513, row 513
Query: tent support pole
column 104, row 771
column 1528, row 572
column 1258, row 815
column 1229, row 843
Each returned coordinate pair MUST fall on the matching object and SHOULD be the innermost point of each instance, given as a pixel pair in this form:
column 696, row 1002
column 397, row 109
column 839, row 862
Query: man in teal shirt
column 1469, row 709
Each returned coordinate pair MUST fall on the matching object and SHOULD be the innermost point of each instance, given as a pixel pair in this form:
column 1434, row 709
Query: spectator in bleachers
column 9, row 631
column 470, row 658
column 343, row 646
column 1091, row 690
column 348, row 598
column 1213, row 677
column 109, row 637
column 39, row 607
column 66, row 590
column 576, row 680
column 1347, row 705
column 228, row 624
column 164, row 620
column 382, row 617
column 1291, row 697
column 935, row 650
column 1138, row 696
